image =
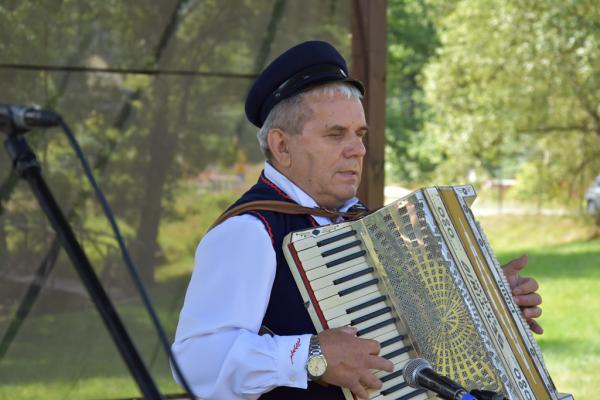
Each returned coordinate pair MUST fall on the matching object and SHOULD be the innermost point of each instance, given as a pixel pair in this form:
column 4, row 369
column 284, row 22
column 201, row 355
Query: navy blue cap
column 302, row 67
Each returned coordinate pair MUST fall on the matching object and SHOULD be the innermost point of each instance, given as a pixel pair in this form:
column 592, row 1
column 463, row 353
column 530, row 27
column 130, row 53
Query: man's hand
column 350, row 359
column 523, row 291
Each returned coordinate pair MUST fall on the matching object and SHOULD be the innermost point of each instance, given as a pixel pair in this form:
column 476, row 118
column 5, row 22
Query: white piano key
column 328, row 279
column 388, row 377
column 324, row 270
column 374, row 334
column 318, row 260
column 388, row 335
column 336, row 289
column 395, row 394
column 392, row 348
column 399, row 365
column 337, row 300
column 341, row 309
column 392, row 382
column 317, row 251
column 400, row 359
column 346, row 319
column 408, row 393
column 405, row 394
column 422, row 396
column 370, row 323
column 397, row 380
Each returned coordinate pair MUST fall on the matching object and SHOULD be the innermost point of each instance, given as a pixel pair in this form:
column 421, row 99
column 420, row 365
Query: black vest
column 286, row 313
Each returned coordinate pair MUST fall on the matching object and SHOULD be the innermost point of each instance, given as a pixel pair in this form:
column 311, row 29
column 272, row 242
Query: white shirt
column 217, row 343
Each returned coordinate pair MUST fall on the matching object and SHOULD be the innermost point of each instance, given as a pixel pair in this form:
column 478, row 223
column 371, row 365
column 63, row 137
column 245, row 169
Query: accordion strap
column 285, row 207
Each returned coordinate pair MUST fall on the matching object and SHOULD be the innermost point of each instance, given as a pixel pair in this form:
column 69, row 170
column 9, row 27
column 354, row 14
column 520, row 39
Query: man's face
column 326, row 158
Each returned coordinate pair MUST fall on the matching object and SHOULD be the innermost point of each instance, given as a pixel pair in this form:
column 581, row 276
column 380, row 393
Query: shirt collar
column 299, row 195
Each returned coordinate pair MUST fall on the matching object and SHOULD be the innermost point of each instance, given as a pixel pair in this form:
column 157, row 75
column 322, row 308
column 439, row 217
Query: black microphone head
column 412, row 368
column 27, row 117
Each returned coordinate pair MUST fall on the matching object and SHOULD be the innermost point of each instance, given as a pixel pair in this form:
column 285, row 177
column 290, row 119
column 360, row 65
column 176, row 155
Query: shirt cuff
column 293, row 353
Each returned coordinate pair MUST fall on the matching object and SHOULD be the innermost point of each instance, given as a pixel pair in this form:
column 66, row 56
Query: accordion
column 419, row 276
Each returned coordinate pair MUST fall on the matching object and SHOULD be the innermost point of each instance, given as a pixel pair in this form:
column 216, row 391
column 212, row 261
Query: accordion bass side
column 419, row 276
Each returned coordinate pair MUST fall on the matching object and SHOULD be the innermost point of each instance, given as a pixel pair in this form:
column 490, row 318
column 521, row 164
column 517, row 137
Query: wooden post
column 369, row 48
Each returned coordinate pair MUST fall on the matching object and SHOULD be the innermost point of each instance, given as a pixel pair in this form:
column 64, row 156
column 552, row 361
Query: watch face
column 316, row 365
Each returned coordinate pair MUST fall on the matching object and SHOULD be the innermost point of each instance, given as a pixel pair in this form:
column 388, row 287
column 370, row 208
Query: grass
column 566, row 265
column 68, row 354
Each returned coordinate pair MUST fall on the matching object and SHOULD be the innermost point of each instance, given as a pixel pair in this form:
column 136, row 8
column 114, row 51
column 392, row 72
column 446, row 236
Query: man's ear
column 279, row 146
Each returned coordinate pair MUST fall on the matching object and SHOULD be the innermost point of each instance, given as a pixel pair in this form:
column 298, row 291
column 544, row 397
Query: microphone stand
column 28, row 168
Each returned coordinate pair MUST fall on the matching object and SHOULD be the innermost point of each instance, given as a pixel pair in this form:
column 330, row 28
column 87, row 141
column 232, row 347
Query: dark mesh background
column 163, row 126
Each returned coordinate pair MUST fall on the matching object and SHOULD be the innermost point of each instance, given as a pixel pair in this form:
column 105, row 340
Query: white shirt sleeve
column 217, row 343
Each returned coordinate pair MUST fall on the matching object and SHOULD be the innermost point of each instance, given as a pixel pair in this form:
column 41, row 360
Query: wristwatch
column 316, row 365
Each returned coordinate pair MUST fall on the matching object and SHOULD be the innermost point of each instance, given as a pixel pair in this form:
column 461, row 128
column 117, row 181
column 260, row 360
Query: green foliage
column 190, row 217
column 412, row 40
column 515, row 84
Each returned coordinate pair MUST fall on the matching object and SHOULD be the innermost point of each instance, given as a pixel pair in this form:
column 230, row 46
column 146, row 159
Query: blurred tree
column 412, row 40
column 516, row 84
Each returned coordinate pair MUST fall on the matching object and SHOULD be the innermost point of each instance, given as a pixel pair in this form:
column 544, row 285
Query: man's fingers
column 512, row 268
column 531, row 312
column 528, row 300
column 372, row 346
column 535, row 326
column 371, row 381
column 525, row 285
column 350, row 330
column 380, row 363
column 515, row 265
column 350, row 359
column 359, row 390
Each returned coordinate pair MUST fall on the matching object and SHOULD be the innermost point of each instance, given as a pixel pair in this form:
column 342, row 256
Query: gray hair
column 291, row 114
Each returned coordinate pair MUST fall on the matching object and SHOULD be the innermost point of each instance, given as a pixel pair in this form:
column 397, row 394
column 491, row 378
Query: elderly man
column 312, row 127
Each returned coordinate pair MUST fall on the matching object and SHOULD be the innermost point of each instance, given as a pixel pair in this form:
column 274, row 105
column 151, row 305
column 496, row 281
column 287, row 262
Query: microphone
column 27, row 117
column 419, row 374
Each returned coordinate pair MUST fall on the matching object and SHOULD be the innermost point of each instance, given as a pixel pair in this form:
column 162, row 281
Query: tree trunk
column 161, row 150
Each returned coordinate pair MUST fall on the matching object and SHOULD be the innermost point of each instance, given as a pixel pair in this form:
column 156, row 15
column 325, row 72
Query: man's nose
column 356, row 148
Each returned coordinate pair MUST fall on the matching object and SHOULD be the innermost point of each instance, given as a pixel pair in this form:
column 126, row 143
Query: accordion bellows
column 420, row 277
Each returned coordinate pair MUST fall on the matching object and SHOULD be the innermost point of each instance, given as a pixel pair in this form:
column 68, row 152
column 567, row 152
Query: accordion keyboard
column 337, row 276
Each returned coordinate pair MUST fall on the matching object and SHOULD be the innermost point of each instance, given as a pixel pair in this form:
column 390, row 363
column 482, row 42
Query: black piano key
column 412, row 394
column 395, row 353
column 358, row 287
column 369, row 316
column 392, row 341
column 391, row 375
column 340, row 248
column 346, row 258
column 375, row 327
column 352, row 276
column 335, row 238
column 364, row 305
column 394, row 388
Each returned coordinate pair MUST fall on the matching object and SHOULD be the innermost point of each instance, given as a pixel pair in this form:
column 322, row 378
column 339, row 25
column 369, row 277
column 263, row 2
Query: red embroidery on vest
column 294, row 349
column 285, row 196
column 264, row 220
column 274, row 187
